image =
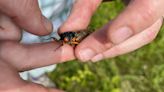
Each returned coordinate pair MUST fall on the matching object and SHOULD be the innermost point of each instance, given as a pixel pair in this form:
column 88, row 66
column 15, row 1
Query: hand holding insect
column 16, row 57
column 133, row 28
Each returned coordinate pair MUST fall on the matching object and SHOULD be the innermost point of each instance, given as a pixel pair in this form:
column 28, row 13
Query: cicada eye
column 66, row 39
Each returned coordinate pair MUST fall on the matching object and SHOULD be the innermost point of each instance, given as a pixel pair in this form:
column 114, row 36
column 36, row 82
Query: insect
column 73, row 38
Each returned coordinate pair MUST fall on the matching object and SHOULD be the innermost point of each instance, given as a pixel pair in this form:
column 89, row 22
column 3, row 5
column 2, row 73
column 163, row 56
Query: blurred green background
column 139, row 71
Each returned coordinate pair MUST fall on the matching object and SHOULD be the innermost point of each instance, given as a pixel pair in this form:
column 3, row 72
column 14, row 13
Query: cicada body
column 73, row 38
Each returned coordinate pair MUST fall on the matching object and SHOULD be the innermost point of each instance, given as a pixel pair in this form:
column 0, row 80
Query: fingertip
column 91, row 46
column 48, row 25
column 33, row 21
column 67, row 53
column 85, row 54
column 74, row 24
column 36, row 24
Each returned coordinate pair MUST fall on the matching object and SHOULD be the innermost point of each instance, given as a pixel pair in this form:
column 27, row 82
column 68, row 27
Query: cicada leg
column 75, row 43
column 74, row 39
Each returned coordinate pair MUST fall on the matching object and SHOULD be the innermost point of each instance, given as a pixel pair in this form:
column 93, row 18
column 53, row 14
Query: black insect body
column 72, row 38
column 67, row 37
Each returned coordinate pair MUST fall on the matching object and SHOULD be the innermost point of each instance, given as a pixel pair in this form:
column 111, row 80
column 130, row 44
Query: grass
column 139, row 71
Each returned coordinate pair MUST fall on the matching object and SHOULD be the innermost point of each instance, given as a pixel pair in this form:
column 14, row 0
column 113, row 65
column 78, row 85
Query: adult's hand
column 27, row 15
column 16, row 57
column 136, row 26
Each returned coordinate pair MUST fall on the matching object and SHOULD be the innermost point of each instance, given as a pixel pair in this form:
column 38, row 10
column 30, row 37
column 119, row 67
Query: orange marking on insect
column 66, row 39
column 73, row 38
column 74, row 43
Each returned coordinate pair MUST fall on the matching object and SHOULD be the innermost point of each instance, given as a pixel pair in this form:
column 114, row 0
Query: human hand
column 27, row 15
column 133, row 28
column 16, row 57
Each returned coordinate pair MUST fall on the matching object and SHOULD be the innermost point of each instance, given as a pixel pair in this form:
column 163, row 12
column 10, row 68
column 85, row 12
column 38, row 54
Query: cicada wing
column 81, row 35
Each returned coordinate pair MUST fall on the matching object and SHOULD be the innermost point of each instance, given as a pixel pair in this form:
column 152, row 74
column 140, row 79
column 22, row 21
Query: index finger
column 25, row 57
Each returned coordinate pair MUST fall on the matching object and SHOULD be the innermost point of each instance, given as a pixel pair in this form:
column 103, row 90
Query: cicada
column 73, row 38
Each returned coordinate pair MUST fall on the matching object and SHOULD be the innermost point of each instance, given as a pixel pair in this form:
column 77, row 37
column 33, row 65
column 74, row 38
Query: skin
column 141, row 19
column 27, row 15
column 16, row 57
column 106, row 43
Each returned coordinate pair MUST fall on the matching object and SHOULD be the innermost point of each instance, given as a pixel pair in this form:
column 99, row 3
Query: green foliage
column 139, row 71
column 105, row 13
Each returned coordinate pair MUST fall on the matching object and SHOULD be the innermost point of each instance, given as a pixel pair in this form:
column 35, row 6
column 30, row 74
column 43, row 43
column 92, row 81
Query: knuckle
column 12, row 36
column 10, row 50
column 147, row 15
column 4, row 49
column 148, row 12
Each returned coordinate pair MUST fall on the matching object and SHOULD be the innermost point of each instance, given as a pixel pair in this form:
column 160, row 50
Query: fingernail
column 97, row 58
column 86, row 54
column 121, row 35
column 47, row 24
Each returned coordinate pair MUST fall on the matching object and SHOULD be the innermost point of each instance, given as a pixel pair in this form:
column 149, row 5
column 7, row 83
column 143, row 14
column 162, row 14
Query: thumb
column 27, row 15
column 80, row 15
column 138, row 16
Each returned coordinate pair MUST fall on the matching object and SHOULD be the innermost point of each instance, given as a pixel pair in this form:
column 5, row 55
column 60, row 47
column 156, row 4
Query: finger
column 85, row 50
column 132, row 43
column 25, row 57
column 8, row 30
column 27, row 15
column 6, row 78
column 11, row 82
column 80, row 15
column 138, row 16
column 31, row 87
column 93, row 44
